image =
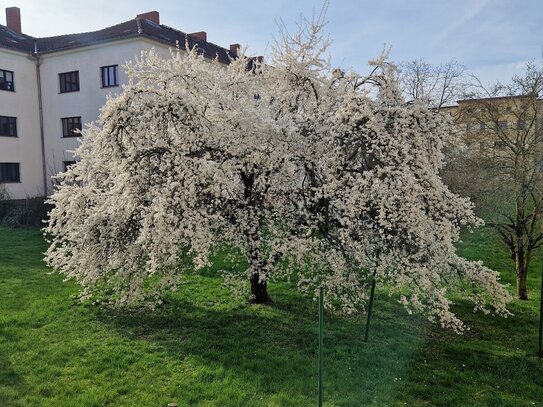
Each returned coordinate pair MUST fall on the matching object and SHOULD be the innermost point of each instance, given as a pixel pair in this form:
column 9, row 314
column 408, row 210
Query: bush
column 22, row 212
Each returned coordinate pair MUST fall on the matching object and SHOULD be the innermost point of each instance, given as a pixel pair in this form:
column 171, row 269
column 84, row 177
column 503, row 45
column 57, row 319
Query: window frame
column 3, row 73
column 105, row 70
column 14, row 126
column 63, row 82
column 67, row 131
column 16, row 180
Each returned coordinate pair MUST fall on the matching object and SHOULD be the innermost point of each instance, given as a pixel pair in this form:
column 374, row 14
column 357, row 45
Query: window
column 502, row 125
column 67, row 164
column 8, row 126
column 9, row 172
column 110, row 76
column 468, row 127
column 521, row 124
column 69, row 81
column 70, row 125
column 6, row 80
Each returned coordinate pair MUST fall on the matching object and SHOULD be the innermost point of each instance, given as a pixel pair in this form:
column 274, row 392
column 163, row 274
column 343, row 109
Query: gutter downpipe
column 36, row 58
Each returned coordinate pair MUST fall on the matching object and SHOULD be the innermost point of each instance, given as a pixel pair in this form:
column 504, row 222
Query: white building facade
column 50, row 87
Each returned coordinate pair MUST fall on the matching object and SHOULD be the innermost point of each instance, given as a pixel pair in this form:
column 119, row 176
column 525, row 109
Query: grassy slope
column 204, row 348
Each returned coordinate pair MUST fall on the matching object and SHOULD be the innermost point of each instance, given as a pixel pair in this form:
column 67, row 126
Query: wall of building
column 24, row 149
column 89, row 99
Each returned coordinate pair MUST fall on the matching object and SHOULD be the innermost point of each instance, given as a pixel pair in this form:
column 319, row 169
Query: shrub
column 22, row 212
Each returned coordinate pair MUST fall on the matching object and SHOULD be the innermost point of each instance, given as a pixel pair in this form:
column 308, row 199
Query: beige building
column 51, row 86
column 493, row 123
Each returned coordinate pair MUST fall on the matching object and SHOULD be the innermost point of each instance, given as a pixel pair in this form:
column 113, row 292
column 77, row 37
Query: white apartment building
column 51, row 86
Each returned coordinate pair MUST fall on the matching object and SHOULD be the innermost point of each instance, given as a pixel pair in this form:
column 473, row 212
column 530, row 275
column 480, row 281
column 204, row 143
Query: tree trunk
column 522, row 289
column 521, row 266
column 259, row 291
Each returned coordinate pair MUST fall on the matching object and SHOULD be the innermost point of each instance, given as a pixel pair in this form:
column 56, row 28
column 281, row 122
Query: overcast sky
column 492, row 38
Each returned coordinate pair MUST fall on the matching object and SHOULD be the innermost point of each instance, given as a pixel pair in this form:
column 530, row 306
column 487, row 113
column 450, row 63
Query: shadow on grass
column 205, row 348
column 491, row 364
column 11, row 383
column 273, row 349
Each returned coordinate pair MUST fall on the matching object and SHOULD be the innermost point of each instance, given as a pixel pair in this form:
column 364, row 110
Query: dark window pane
column 67, row 164
column 6, row 80
column 8, row 126
column 62, row 83
column 70, row 125
column 69, row 81
column 9, row 172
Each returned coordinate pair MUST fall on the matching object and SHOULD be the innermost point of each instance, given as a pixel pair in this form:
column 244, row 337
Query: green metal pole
column 370, row 307
column 321, row 334
column 540, row 351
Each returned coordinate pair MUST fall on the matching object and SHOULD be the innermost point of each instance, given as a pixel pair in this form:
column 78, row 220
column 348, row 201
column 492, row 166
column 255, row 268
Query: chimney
column 13, row 19
column 200, row 35
column 153, row 16
column 234, row 49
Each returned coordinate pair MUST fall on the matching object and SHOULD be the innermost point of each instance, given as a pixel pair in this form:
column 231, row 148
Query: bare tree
column 437, row 85
column 504, row 139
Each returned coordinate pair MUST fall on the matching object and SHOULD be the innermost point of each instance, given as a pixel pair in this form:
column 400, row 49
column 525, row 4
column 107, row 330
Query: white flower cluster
column 302, row 171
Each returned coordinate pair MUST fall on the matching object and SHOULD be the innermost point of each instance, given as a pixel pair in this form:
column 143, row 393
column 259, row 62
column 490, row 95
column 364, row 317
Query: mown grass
column 205, row 348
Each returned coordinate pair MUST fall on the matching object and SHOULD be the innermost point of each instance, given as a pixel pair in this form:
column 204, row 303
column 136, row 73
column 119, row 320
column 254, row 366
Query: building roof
column 12, row 40
column 496, row 98
column 142, row 28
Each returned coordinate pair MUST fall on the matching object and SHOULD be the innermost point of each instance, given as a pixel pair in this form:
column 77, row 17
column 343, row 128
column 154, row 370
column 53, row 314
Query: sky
column 492, row 38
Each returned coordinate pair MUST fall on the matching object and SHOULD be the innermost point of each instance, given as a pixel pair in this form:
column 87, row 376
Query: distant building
column 50, row 86
column 492, row 124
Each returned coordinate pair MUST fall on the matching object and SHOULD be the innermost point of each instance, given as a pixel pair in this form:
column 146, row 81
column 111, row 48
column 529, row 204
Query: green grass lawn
column 204, row 348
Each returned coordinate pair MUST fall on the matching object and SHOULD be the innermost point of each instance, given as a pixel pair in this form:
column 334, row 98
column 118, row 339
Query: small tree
column 309, row 172
column 504, row 138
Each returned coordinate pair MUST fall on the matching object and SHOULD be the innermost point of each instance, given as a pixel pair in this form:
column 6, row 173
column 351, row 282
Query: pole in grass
column 321, row 334
column 540, row 350
column 370, row 307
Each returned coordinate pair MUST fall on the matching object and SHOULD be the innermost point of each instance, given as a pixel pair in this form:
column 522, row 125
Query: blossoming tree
column 307, row 172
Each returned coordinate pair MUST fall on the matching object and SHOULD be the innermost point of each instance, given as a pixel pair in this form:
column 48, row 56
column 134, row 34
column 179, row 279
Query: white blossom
column 302, row 171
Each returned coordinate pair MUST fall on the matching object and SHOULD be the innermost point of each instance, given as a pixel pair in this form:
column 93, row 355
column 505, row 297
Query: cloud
column 473, row 9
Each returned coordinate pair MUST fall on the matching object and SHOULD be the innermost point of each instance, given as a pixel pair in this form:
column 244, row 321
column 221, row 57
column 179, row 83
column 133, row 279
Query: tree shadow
column 273, row 349
column 11, row 383
column 482, row 366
